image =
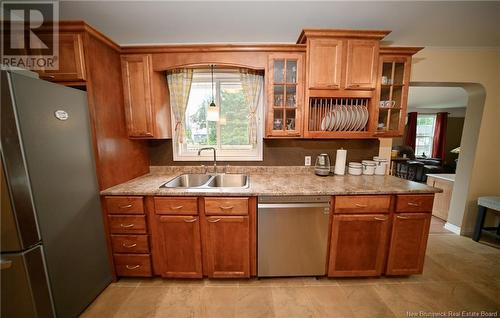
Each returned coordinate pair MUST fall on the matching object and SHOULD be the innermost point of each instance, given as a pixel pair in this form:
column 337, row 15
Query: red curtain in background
column 439, row 141
column 411, row 133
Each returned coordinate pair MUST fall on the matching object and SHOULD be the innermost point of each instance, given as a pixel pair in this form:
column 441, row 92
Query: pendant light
column 213, row 110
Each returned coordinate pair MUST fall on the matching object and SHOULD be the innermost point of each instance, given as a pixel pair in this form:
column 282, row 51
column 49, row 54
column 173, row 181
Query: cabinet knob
column 127, row 225
column 213, row 220
column 129, row 246
column 228, row 207
column 402, row 217
column 177, row 207
column 380, row 219
column 361, row 205
column 125, row 206
column 190, row 220
column 413, row 204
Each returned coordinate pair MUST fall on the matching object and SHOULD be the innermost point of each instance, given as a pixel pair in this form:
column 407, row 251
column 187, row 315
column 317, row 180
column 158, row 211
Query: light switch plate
column 307, row 160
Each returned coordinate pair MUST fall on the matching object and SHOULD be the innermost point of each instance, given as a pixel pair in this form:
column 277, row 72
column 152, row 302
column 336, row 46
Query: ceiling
column 435, row 99
column 415, row 23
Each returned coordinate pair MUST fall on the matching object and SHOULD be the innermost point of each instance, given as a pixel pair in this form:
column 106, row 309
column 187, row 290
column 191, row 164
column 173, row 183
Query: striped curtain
column 179, row 86
column 252, row 84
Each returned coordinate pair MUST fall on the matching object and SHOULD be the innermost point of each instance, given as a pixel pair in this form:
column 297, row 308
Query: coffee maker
column 322, row 166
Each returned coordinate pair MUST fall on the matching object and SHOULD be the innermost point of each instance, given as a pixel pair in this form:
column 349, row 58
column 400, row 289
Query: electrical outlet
column 307, row 160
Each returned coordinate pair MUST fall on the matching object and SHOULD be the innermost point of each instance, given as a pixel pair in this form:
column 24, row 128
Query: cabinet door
column 361, row 66
column 71, row 59
column 179, row 245
column 285, row 92
column 408, row 243
column 227, row 246
column 324, row 61
column 442, row 200
column 136, row 75
column 358, row 245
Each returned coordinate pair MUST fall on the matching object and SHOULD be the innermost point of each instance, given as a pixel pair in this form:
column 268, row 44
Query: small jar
column 381, row 167
column 368, row 167
column 355, row 168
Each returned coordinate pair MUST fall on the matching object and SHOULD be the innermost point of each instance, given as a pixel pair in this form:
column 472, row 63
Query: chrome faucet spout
column 215, row 155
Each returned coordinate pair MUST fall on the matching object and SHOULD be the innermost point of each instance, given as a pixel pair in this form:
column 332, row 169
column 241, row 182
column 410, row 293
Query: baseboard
column 452, row 228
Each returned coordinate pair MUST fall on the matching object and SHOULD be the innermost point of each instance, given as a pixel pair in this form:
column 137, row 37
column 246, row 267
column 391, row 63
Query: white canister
column 381, row 167
column 355, row 168
column 369, row 167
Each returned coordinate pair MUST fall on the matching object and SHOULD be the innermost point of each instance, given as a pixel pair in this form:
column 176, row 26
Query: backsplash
column 278, row 152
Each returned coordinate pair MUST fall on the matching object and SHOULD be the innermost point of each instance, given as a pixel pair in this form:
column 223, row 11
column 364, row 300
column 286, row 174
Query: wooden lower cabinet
column 227, row 246
column 179, row 246
column 408, row 243
column 358, row 245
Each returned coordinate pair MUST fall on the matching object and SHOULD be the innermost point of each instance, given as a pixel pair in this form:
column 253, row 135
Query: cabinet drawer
column 130, row 243
column 362, row 204
column 177, row 205
column 414, row 203
column 133, row 264
column 124, row 205
column 125, row 224
column 226, row 206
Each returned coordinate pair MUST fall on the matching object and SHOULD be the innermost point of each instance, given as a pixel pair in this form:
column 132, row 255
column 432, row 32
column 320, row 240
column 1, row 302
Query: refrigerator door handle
column 5, row 264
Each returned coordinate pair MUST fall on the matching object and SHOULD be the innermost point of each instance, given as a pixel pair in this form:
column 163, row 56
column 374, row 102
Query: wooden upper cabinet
column 358, row 245
column 227, row 246
column 362, row 64
column 146, row 99
column 71, row 59
column 285, row 95
column 179, row 245
column 408, row 243
column 325, row 63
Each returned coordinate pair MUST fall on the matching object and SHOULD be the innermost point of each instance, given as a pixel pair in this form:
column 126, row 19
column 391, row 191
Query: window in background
column 230, row 134
column 425, row 134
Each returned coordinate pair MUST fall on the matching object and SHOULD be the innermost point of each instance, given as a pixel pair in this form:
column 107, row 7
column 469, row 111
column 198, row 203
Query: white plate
column 332, row 120
column 325, row 122
column 359, row 118
column 354, row 123
column 337, row 118
column 341, row 118
column 365, row 118
column 349, row 117
column 344, row 121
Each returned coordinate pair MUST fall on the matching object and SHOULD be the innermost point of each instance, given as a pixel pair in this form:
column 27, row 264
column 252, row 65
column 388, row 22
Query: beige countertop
column 444, row 176
column 274, row 182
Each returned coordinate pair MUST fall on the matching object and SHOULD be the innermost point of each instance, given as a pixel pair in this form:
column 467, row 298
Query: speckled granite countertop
column 275, row 181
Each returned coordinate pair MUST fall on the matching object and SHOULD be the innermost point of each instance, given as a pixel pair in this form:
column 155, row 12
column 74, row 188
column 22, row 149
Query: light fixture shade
column 213, row 112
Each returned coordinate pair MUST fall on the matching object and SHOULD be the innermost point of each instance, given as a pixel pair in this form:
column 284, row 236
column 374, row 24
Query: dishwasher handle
column 292, row 205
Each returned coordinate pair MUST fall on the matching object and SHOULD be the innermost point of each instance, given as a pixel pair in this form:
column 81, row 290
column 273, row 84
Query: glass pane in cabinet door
column 397, row 93
column 291, row 96
column 394, row 119
column 382, row 119
column 290, row 119
column 386, row 73
column 278, row 96
column 279, row 71
column 278, row 119
column 399, row 72
column 291, row 71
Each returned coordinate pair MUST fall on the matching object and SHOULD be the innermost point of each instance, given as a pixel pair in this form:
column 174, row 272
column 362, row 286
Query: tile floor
column 459, row 275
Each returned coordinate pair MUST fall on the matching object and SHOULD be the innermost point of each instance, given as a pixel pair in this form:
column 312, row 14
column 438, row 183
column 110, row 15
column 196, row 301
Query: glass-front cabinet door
column 393, row 86
column 285, row 94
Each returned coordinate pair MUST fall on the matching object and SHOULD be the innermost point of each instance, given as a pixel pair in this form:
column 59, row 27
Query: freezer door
column 25, row 288
column 19, row 228
column 54, row 124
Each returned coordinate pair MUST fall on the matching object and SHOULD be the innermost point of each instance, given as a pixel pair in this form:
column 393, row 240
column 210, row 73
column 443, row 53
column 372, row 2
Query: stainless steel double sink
column 208, row 181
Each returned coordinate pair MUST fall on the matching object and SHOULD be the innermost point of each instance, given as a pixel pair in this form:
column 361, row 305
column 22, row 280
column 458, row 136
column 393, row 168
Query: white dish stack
column 377, row 166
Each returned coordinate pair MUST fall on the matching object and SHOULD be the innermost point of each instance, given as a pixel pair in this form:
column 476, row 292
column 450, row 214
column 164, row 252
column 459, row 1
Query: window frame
column 182, row 153
column 431, row 136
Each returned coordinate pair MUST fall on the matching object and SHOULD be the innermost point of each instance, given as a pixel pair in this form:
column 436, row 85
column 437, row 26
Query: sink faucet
column 215, row 156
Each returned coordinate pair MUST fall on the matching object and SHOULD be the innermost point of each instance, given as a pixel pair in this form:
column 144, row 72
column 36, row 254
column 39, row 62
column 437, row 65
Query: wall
column 277, row 152
column 480, row 66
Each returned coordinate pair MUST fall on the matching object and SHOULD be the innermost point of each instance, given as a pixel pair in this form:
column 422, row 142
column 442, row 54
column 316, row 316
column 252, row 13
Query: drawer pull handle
column 132, row 266
column 402, row 217
column 127, row 225
column 129, row 246
column 44, row 75
column 213, row 220
column 413, row 204
column 126, row 206
column 380, row 219
column 177, row 207
column 361, row 205
column 190, row 220
column 229, row 207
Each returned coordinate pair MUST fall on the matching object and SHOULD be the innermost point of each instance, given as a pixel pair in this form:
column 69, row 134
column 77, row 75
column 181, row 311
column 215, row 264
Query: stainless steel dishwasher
column 292, row 235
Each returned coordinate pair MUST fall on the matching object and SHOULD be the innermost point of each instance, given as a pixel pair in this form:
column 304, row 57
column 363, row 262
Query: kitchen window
column 230, row 134
column 425, row 134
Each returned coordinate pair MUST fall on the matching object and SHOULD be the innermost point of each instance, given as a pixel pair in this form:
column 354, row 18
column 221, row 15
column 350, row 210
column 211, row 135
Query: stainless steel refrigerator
column 54, row 258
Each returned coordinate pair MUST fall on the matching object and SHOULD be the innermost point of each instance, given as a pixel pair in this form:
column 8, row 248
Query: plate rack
column 330, row 115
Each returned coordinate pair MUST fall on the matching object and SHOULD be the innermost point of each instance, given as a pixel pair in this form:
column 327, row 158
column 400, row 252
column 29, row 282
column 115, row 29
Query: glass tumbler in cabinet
column 285, row 94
